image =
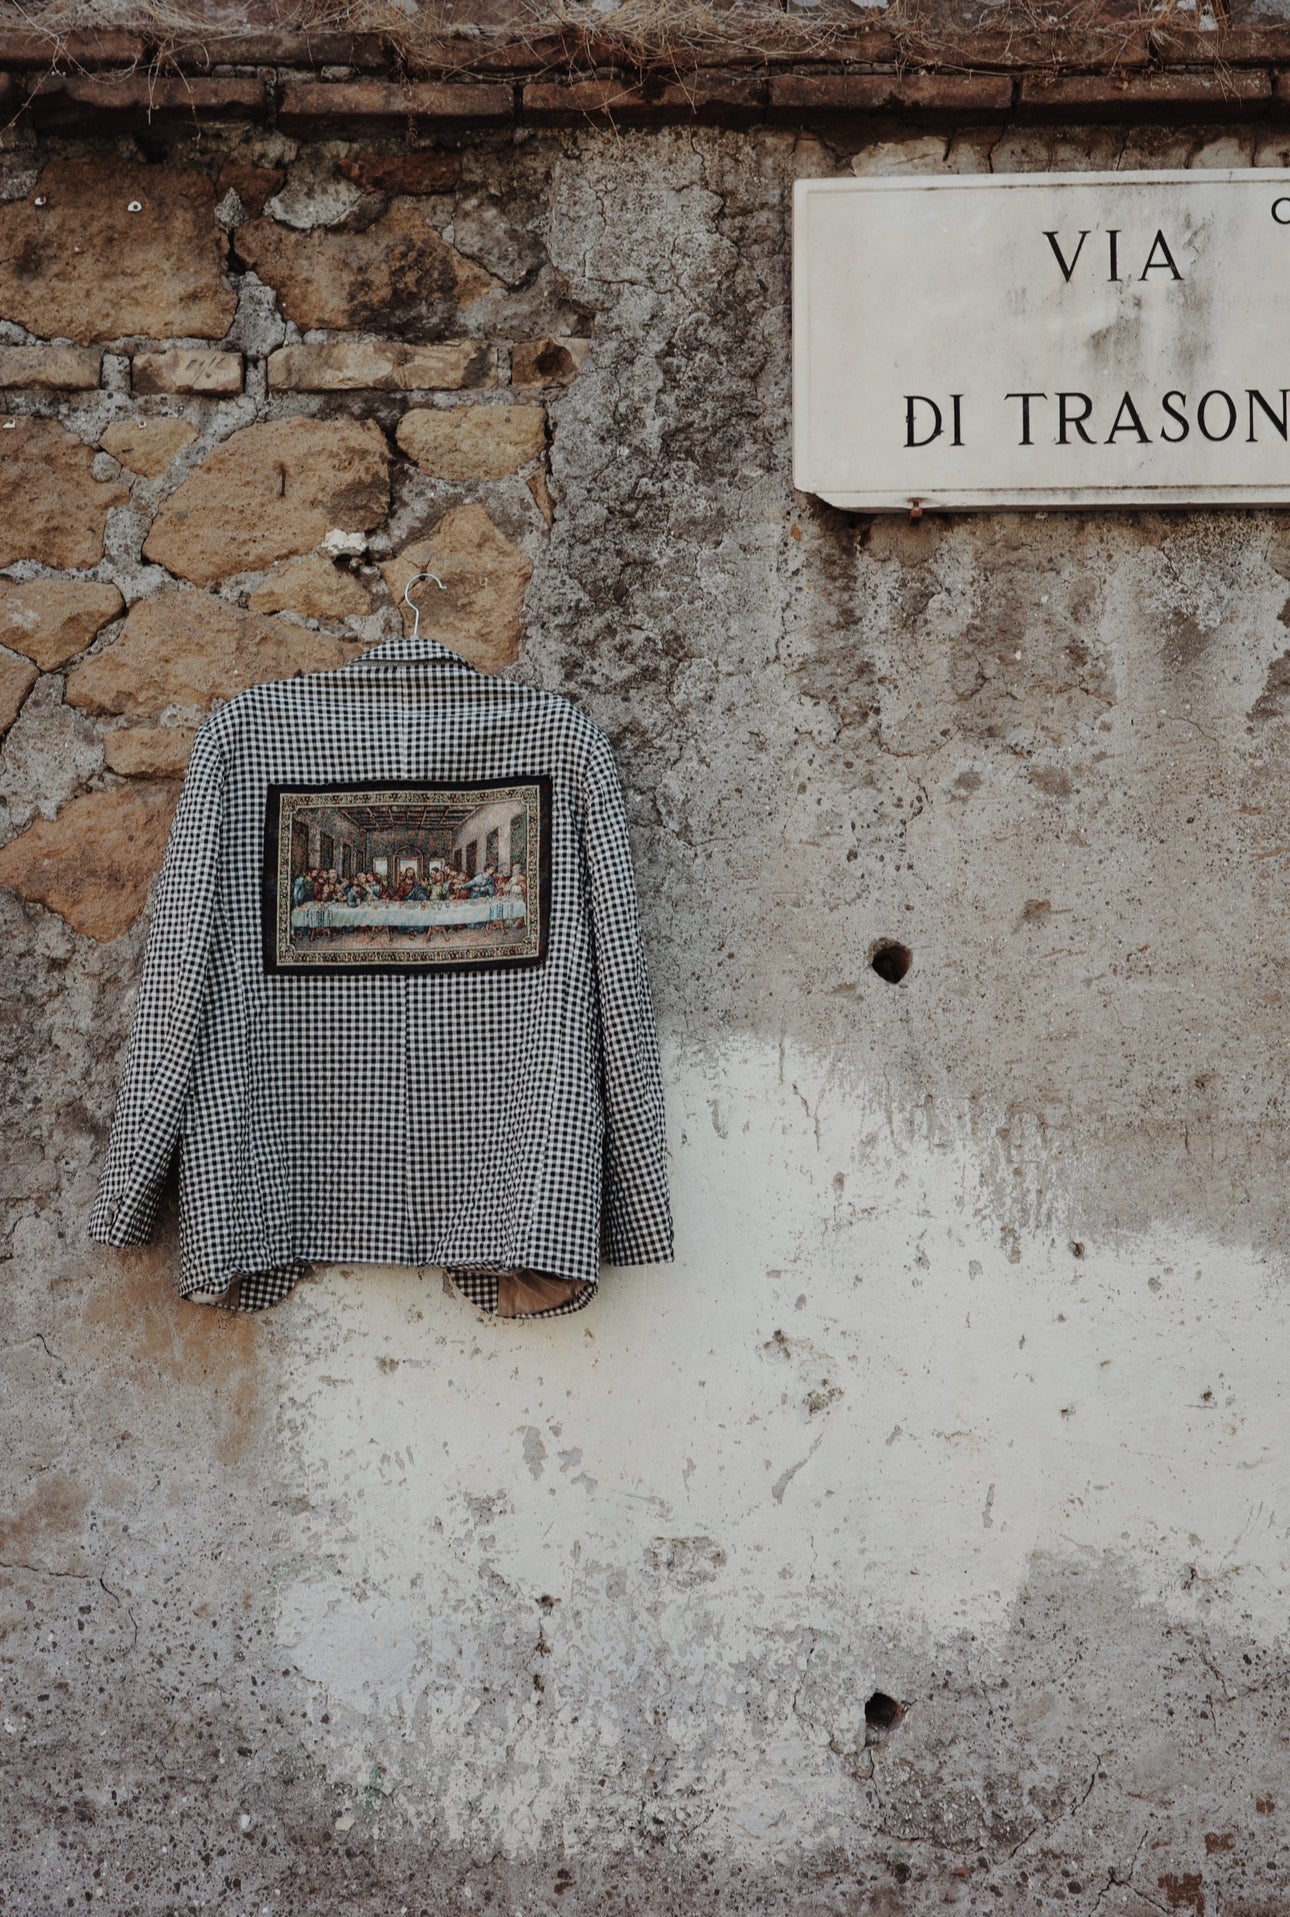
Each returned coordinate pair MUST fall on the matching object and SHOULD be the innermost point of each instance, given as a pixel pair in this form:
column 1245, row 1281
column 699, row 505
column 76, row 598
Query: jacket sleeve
column 636, row 1217
column 169, row 1010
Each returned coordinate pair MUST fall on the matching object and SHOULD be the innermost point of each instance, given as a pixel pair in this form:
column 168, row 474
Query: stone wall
column 917, row 1541
column 248, row 359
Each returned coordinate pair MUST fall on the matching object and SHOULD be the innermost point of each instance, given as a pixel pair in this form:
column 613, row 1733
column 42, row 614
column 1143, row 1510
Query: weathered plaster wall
column 967, row 1385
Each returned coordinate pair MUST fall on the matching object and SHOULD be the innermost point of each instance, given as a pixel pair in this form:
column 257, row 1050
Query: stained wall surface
column 967, row 1388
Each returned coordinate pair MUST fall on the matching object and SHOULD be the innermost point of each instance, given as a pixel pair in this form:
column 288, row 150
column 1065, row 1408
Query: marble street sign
column 1043, row 339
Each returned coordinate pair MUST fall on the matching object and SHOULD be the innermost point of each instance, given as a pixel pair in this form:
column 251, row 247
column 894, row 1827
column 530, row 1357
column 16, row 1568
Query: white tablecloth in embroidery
column 406, row 915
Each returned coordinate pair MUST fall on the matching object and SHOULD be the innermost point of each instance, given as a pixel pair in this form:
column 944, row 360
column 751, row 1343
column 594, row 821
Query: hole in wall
column 881, row 1712
column 891, row 960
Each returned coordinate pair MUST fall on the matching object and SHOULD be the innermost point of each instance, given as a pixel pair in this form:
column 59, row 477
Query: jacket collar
column 426, row 650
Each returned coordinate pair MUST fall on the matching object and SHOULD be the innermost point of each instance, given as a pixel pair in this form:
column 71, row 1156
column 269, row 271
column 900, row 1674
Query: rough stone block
column 397, row 276
column 17, row 677
column 185, row 649
column 75, row 261
column 74, row 368
column 548, row 362
column 252, row 184
column 50, row 754
column 479, row 615
column 315, row 587
column 186, row 369
column 94, row 862
column 149, row 752
column 147, row 445
column 386, row 366
column 51, row 507
column 420, row 170
column 472, row 442
column 271, row 490
column 51, row 620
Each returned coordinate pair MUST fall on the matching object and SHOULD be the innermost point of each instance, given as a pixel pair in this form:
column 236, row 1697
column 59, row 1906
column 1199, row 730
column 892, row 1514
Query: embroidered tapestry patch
column 399, row 877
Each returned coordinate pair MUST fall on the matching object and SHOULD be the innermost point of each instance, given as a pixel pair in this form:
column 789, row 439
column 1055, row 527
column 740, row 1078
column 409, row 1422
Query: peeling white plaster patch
column 703, row 1516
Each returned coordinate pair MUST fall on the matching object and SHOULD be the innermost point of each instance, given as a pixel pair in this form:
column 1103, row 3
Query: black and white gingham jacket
column 483, row 1121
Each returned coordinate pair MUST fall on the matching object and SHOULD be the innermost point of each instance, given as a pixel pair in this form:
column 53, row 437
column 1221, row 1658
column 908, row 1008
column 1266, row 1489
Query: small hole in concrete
column 891, row 960
column 881, row 1711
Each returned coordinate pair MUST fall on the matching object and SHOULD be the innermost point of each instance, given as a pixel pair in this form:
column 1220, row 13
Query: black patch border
column 419, row 968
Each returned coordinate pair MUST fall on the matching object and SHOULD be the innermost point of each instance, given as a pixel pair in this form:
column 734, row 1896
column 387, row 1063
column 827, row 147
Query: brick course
column 1135, row 96
column 797, row 97
column 352, row 81
column 309, row 103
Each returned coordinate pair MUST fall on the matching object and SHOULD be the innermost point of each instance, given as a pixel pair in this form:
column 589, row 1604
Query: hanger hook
column 416, row 578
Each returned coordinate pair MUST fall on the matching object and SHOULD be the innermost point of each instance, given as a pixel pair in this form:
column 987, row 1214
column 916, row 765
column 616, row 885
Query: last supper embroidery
column 400, row 877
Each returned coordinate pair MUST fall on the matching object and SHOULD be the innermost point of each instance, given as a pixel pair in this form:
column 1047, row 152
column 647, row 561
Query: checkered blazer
column 492, row 1119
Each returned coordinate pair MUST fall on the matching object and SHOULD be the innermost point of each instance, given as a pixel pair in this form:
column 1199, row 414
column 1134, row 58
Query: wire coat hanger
column 416, row 610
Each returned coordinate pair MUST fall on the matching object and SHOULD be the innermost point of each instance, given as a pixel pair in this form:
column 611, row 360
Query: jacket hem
column 253, row 1287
